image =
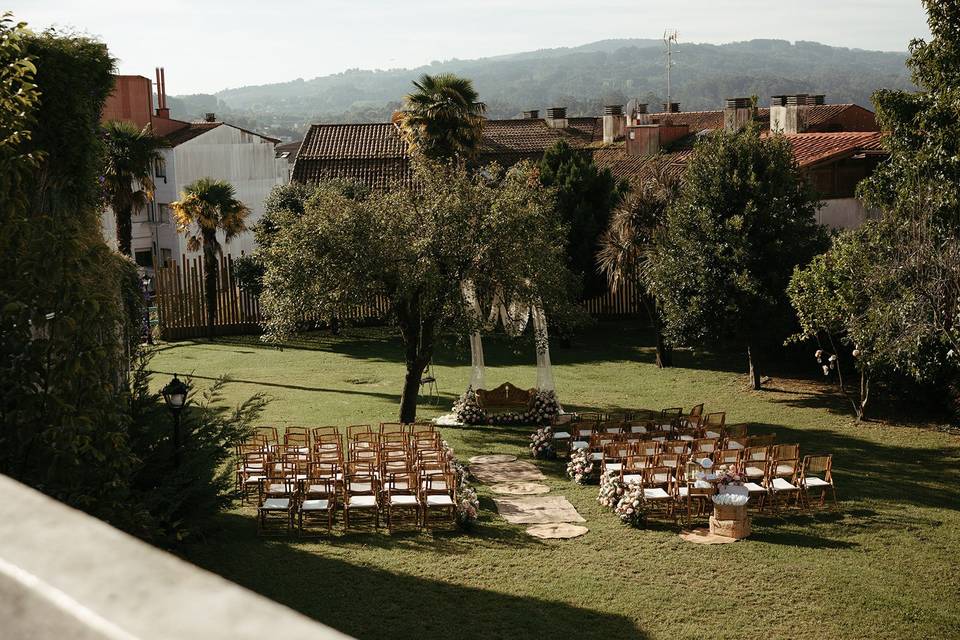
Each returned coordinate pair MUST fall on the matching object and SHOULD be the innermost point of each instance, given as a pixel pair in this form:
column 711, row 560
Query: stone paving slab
column 506, row 472
column 492, row 458
column 537, row 510
column 520, row 488
column 703, row 536
column 560, row 531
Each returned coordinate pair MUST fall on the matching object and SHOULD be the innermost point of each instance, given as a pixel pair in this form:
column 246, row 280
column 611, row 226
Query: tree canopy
column 745, row 217
column 586, row 196
column 417, row 247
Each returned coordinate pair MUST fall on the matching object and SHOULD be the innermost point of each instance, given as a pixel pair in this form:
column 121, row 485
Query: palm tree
column 443, row 118
column 206, row 207
column 130, row 158
column 625, row 253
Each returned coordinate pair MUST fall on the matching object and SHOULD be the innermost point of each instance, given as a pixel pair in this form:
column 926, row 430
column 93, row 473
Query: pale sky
column 208, row 45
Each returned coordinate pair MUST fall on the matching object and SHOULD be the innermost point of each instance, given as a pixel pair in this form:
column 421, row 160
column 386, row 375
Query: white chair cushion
column 814, row 481
column 613, row 466
column 734, row 445
column 684, row 492
column 784, row 469
column 713, row 434
column 781, row 484
column 579, row 444
column 659, row 439
column 596, row 456
column 638, row 429
column 439, row 500
column 315, row 505
column 632, row 478
column 276, row 504
column 362, row 501
column 661, row 477
column 655, row 494
column 360, row 487
column 753, row 487
column 686, row 437
column 403, row 500
column 253, row 479
column 561, row 435
column 754, row 472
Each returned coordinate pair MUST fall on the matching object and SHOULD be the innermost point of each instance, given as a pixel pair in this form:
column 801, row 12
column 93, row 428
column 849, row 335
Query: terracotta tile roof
column 633, row 168
column 362, row 152
column 823, row 117
column 189, row 132
column 814, row 148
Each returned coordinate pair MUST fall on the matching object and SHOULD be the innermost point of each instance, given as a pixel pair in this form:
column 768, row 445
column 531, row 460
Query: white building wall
column 844, row 213
column 246, row 161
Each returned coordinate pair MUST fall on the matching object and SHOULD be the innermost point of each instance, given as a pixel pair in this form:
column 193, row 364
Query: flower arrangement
column 630, row 507
column 727, row 476
column 541, row 444
column 580, row 467
column 611, row 489
column 543, row 407
column 467, row 408
column 468, row 504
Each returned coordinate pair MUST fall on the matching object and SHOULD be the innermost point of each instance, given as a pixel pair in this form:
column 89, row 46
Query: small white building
column 207, row 149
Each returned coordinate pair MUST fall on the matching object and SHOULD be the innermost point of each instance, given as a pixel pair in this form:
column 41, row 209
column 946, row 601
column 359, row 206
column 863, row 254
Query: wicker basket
column 730, row 521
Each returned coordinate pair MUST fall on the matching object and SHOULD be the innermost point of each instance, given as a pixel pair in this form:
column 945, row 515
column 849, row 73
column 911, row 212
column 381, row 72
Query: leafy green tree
column 744, row 219
column 64, row 296
column 206, row 207
column 130, row 159
column 918, row 188
column 586, row 196
column 443, row 118
column 835, row 306
column 627, row 247
column 417, row 247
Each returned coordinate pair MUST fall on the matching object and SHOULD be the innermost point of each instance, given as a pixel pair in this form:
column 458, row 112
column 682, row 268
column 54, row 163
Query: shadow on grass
column 368, row 602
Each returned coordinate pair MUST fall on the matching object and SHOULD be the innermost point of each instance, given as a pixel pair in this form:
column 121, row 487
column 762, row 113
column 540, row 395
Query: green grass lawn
column 885, row 566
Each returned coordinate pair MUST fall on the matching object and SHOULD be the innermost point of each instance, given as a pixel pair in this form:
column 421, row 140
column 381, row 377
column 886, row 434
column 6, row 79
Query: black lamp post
column 175, row 395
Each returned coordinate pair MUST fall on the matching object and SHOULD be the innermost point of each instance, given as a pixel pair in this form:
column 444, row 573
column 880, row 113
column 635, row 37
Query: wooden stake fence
column 182, row 306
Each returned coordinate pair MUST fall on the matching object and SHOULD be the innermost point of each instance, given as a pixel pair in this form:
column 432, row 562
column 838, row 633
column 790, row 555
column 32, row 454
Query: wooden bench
column 507, row 397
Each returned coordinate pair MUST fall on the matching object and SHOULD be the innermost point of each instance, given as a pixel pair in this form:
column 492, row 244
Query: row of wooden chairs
column 288, row 503
column 269, row 437
column 772, row 482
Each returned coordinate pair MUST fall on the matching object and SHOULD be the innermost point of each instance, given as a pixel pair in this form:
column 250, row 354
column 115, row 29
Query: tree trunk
column 664, row 350
column 334, row 325
column 210, row 271
column 753, row 357
column 418, row 339
column 124, row 218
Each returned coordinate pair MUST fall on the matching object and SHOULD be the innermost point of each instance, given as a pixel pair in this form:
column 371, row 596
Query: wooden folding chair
column 659, row 491
column 704, row 447
column 318, row 502
column 402, row 499
column 782, row 481
column 766, row 440
column 277, row 502
column 356, row 429
column 713, row 424
column 437, row 494
column 361, row 497
column 634, row 466
column 816, row 474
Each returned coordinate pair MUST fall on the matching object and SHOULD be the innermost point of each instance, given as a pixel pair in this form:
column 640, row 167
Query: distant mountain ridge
column 582, row 78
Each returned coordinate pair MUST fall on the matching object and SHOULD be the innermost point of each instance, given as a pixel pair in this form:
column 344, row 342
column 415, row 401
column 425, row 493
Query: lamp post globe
column 175, row 395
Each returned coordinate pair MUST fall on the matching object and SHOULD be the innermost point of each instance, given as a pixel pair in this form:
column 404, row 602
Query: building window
column 144, row 258
column 160, row 169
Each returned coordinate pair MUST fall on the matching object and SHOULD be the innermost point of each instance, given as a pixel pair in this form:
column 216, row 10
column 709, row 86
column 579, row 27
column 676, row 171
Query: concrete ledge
column 64, row 574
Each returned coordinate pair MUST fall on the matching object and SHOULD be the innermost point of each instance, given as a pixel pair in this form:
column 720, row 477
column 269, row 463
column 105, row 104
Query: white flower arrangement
column 580, row 467
column 611, row 489
column 468, row 504
column 467, row 408
column 630, row 507
column 541, row 444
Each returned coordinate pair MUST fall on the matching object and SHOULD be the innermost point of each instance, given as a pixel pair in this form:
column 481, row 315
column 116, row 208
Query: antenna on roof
column 669, row 41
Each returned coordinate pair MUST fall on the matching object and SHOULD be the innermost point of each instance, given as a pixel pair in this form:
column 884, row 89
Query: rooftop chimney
column 613, row 123
column 672, row 107
column 556, row 117
column 210, row 116
column 789, row 114
column 737, row 113
column 162, row 110
column 533, row 114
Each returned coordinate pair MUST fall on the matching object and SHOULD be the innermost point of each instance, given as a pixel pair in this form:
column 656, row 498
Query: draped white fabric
column 514, row 318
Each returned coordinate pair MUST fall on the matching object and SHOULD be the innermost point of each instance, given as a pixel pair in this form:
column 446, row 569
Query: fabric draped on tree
column 514, row 317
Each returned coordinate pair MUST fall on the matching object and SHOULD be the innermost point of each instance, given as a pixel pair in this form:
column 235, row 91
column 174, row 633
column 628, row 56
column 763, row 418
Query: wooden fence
column 182, row 305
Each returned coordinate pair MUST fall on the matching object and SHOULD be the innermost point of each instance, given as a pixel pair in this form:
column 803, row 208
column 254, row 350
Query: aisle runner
column 518, row 502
